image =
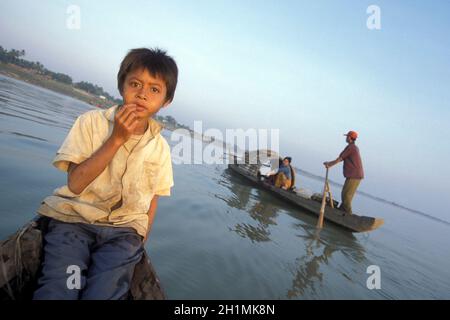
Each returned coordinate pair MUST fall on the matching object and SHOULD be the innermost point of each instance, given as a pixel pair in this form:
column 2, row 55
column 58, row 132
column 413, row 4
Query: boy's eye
column 154, row 89
column 134, row 84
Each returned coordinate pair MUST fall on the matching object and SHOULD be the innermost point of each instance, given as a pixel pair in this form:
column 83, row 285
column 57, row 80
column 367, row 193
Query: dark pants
column 104, row 256
column 348, row 191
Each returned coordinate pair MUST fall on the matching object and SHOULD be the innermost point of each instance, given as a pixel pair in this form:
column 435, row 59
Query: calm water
column 219, row 237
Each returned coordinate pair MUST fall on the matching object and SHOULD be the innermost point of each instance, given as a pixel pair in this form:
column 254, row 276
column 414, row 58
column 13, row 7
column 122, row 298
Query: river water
column 220, row 237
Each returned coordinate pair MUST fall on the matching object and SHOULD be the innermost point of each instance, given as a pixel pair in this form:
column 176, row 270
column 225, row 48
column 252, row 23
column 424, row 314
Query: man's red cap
column 352, row 134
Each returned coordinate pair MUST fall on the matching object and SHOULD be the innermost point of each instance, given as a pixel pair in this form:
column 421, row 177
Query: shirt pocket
column 151, row 175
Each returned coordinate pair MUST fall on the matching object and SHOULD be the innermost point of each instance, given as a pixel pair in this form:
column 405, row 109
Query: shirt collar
column 154, row 127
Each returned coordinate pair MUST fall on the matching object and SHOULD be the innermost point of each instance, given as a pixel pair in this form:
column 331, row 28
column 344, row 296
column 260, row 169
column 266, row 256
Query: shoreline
column 32, row 77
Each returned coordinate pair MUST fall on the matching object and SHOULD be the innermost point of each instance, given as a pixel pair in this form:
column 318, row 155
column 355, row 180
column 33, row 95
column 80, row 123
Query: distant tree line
column 94, row 89
column 14, row 56
column 171, row 120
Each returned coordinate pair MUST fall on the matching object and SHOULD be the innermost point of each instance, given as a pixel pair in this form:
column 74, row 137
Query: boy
column 118, row 164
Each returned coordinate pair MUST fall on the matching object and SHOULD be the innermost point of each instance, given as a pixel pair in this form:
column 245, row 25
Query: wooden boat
column 21, row 257
column 250, row 170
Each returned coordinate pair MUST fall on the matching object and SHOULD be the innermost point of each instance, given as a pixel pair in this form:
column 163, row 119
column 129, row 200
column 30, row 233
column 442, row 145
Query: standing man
column 353, row 170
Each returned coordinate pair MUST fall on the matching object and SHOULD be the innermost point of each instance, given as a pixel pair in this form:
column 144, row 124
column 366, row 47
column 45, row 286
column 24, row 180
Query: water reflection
column 264, row 215
column 251, row 200
column 317, row 247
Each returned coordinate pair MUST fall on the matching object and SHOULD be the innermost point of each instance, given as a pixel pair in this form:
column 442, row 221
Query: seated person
column 283, row 177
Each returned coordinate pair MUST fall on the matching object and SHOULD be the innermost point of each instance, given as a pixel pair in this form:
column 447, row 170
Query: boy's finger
column 129, row 115
column 120, row 109
column 119, row 112
column 130, row 119
column 127, row 109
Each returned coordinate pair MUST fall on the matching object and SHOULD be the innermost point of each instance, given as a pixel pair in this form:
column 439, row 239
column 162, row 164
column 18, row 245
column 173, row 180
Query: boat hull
column 21, row 257
column 353, row 222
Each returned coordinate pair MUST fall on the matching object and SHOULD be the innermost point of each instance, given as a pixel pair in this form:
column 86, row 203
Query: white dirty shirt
column 120, row 196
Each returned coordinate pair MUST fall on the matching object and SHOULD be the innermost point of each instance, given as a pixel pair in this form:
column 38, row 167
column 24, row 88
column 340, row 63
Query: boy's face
column 146, row 91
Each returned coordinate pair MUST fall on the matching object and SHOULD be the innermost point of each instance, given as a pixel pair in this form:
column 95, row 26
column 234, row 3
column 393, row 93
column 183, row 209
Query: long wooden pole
column 324, row 202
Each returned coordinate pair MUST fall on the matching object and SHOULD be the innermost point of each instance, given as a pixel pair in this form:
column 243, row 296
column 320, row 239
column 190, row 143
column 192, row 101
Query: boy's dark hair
column 156, row 62
column 288, row 159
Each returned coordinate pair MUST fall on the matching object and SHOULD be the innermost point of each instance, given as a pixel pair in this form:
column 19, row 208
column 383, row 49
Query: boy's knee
column 60, row 281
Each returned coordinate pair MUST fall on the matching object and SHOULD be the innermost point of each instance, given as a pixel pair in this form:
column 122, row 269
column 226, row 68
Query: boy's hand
column 125, row 121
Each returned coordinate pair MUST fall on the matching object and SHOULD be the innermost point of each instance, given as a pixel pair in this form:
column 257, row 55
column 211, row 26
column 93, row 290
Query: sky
column 309, row 68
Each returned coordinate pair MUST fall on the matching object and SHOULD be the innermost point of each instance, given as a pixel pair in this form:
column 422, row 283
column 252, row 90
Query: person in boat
column 117, row 164
column 353, row 170
column 283, row 177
